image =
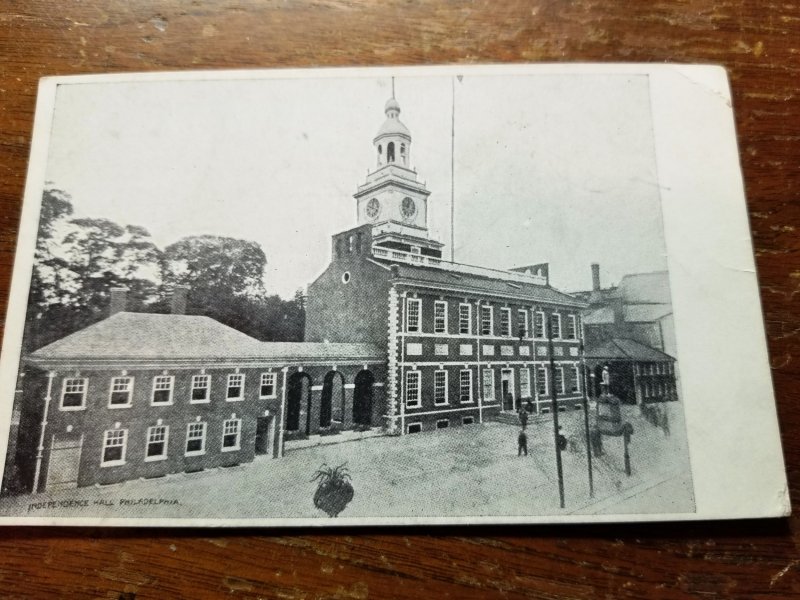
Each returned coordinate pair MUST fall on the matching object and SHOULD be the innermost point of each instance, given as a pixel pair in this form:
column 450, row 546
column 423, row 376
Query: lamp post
column 554, row 404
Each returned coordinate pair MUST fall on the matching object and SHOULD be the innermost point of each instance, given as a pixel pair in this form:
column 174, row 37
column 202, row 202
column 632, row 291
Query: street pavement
column 469, row 471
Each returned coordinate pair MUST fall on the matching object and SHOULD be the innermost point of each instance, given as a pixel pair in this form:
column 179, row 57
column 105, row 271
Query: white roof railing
column 422, row 260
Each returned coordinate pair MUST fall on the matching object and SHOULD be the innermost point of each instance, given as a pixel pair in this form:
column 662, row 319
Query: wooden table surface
column 759, row 43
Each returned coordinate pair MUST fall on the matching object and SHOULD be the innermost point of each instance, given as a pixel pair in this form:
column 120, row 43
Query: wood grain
column 759, row 42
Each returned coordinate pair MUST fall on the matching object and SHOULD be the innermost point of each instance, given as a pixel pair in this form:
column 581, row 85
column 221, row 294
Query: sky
column 548, row 168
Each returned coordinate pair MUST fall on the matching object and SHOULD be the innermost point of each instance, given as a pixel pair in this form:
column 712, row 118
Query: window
column 572, row 330
column 162, row 389
column 413, row 308
column 195, row 439
column 267, row 389
column 538, row 324
column 414, row 427
column 541, row 381
column 442, row 424
column 440, row 387
column 121, row 392
column 440, row 317
column 200, row 389
column 115, row 443
column 505, row 322
column 467, row 420
column 465, row 385
column 560, row 380
column 486, row 320
column 390, row 152
column 465, row 319
column 576, row 380
column 412, row 389
column 157, row 437
column 555, row 326
column 231, row 435
column 488, row 384
column 73, row 394
column 522, row 323
column 235, row 387
column 525, row 383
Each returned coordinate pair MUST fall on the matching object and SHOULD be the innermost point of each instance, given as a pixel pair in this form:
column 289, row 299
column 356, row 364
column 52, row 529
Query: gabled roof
column 154, row 339
column 444, row 279
column 626, row 349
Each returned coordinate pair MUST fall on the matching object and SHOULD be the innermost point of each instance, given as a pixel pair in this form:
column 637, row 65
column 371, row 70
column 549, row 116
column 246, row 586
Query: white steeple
column 392, row 198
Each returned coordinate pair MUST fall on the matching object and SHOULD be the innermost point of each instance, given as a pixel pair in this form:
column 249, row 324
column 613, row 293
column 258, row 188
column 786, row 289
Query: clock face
column 373, row 209
column 408, row 209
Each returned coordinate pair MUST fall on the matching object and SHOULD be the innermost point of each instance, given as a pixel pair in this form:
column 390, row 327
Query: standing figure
column 522, row 443
column 605, row 381
column 523, row 418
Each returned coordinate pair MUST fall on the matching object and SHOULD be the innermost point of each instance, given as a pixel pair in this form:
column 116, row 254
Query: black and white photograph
column 377, row 296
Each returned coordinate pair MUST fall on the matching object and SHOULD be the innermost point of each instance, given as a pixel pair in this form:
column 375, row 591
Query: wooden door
column 64, row 463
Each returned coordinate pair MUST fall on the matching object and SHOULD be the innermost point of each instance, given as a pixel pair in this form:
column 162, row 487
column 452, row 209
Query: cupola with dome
column 392, row 198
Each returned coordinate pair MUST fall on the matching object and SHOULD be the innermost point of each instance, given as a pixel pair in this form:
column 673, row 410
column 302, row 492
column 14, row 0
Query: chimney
column 119, row 300
column 179, row 293
column 595, row 277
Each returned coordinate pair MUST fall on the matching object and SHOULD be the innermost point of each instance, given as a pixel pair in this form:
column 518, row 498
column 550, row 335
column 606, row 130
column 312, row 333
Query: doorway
column 265, row 435
column 298, row 396
column 362, row 398
column 64, row 463
column 332, row 400
column 507, row 390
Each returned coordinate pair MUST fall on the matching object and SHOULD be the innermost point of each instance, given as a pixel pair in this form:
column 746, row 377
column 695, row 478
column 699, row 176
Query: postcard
column 439, row 295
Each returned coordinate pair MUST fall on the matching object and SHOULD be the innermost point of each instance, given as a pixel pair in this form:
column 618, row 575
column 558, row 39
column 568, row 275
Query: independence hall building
column 398, row 341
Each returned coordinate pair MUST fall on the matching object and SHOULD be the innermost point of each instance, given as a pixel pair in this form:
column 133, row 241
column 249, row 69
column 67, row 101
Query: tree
column 79, row 260
column 76, row 264
column 216, row 266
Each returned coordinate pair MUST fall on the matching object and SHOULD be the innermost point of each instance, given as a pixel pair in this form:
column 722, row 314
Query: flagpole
column 452, row 170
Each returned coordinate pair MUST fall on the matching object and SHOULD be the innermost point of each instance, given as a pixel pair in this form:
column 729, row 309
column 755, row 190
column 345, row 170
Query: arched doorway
column 332, row 402
column 298, row 391
column 362, row 398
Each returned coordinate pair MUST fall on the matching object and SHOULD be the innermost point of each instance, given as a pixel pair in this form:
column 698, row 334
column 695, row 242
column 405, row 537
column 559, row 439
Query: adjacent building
column 629, row 330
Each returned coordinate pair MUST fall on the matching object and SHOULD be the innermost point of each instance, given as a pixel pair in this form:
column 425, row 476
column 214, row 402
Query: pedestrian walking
column 523, row 418
column 522, row 443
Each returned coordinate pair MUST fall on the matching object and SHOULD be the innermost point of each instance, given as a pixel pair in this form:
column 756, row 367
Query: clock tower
column 392, row 199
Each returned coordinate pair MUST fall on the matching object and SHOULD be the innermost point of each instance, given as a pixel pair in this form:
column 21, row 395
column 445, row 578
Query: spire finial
column 392, row 87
